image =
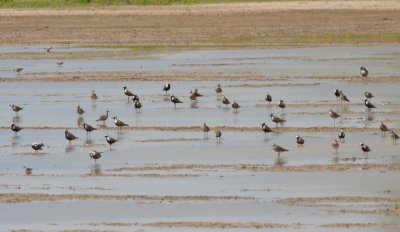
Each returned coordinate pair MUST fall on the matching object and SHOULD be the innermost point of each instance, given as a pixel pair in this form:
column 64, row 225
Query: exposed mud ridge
column 264, row 167
column 221, row 225
column 189, row 76
column 222, row 128
column 30, row 197
column 169, row 140
column 339, row 199
column 361, row 225
column 387, row 211
column 147, row 175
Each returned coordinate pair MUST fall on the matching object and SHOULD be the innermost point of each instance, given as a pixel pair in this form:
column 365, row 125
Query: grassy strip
column 94, row 3
column 263, row 42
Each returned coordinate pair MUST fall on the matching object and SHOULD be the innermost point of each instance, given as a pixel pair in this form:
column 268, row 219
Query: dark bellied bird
column 175, row 100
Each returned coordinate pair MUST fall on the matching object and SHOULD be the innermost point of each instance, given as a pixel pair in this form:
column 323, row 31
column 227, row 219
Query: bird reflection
column 344, row 108
column 102, row 126
column 15, row 140
column 95, row 169
column 16, row 119
column 69, row 148
column 80, row 121
column 335, row 158
column 279, row 161
column 94, row 105
column 88, row 142
column 194, row 105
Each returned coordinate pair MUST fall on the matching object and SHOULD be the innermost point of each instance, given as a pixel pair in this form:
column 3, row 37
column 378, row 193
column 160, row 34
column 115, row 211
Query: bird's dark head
column 362, row 144
column 271, row 115
column 263, row 124
column 124, row 87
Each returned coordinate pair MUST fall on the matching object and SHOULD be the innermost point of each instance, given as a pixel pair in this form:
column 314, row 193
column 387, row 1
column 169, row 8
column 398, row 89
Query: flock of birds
column 224, row 100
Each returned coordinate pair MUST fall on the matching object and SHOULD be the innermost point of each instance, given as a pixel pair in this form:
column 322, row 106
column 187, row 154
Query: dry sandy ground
column 225, row 24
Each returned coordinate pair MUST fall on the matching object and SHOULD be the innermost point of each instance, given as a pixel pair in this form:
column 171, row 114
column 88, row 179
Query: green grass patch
column 95, row 3
column 346, row 38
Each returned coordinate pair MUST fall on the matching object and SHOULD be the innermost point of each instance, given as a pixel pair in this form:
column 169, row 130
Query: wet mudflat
column 163, row 174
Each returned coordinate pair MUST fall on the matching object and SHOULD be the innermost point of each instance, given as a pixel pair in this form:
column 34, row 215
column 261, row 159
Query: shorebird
column 110, row 140
column 277, row 119
column 138, row 105
column 206, row 129
column 278, row 149
column 365, row 148
column 394, row 136
column 383, row 128
column 343, row 97
column 28, row 170
column 103, row 117
column 95, row 155
column 333, row 115
column 197, row 94
column 37, row 146
column 18, row 70
column 268, row 98
column 94, row 95
column 175, row 100
column 48, row 50
column 235, row 106
column 266, row 129
column 119, row 123
column 335, row 145
column 368, row 104
column 69, row 136
column 80, row 111
column 127, row 92
column 299, row 140
column 341, row 135
column 368, row 94
column 88, row 128
column 192, row 96
column 16, row 108
column 135, row 98
column 60, row 63
column 281, row 105
column 337, row 94
column 363, row 71
column 166, row 88
column 225, row 101
column 218, row 135
column 15, row 128
column 218, row 90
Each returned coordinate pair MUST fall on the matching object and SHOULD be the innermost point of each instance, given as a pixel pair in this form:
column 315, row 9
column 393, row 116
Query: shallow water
column 381, row 60
column 46, row 104
column 149, row 156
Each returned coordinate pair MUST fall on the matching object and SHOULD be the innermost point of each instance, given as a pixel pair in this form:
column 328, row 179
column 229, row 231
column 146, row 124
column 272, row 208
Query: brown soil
column 198, row 24
column 30, row 197
column 264, row 167
column 362, row 225
column 220, row 225
column 222, row 128
column 188, row 76
column 339, row 199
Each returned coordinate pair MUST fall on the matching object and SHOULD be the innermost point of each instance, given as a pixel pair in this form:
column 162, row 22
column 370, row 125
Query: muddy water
column 45, row 104
column 301, row 62
column 178, row 179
